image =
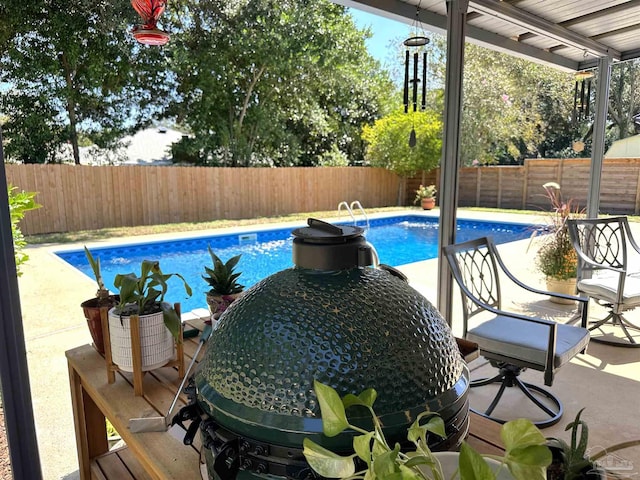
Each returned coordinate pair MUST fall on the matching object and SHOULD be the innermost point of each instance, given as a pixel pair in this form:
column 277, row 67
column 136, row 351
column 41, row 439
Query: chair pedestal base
column 508, row 377
column 625, row 325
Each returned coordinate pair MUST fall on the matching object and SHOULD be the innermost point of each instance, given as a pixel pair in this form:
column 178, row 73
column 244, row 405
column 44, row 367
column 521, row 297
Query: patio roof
column 567, row 34
column 570, row 35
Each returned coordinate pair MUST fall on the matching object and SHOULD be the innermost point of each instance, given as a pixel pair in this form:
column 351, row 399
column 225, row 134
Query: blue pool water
column 398, row 240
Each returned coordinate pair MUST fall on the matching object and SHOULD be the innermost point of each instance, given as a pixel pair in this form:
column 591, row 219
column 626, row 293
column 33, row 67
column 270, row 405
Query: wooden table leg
column 89, row 421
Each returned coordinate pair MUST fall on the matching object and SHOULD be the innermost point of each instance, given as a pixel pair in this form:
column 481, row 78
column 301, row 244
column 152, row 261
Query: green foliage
column 574, row 456
column 222, row 279
column 388, row 142
column 428, row 191
column 73, row 71
column 102, row 294
column 556, row 257
column 526, row 455
column 257, row 86
column 19, row 203
column 187, row 150
column 144, row 294
column 520, row 110
column 574, row 459
column 624, row 99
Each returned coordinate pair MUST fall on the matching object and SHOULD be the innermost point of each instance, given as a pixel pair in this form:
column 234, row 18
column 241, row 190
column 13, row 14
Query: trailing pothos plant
column 144, row 294
column 526, row 456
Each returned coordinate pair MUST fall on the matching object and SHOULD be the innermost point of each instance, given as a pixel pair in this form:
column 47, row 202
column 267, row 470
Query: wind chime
column 581, row 103
column 149, row 11
column 411, row 79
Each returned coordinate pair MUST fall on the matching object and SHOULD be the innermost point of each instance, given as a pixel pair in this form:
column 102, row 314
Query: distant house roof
column 151, row 146
column 626, row 148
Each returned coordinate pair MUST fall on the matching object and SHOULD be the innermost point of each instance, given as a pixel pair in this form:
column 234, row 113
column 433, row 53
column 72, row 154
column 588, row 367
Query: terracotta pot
column 428, row 203
column 92, row 314
column 556, row 285
column 219, row 303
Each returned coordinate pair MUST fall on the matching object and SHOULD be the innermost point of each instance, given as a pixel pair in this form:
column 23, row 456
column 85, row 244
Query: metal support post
column 597, row 147
column 450, row 164
column 14, row 375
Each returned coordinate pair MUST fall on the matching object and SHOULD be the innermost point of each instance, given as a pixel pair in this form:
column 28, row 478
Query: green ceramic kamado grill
column 334, row 318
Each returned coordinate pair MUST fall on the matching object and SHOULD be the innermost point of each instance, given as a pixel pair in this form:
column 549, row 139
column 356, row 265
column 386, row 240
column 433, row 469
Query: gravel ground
column 5, row 465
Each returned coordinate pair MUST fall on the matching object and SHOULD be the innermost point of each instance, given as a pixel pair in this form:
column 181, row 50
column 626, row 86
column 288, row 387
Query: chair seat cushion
column 605, row 288
column 527, row 341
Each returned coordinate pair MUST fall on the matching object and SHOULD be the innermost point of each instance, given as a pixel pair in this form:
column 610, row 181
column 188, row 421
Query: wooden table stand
column 136, row 351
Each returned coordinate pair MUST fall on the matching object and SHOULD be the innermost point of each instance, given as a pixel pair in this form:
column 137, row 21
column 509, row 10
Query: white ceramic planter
column 157, row 345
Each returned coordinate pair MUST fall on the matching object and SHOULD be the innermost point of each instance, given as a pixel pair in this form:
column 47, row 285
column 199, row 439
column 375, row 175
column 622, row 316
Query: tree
column 72, row 68
column 508, row 113
column 388, row 143
column 257, row 85
column 624, row 99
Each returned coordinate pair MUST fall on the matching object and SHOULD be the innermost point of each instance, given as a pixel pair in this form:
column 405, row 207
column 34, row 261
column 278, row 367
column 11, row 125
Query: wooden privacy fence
column 85, row 198
column 520, row 187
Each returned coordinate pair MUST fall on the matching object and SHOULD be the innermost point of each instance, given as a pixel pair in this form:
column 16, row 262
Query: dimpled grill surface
column 352, row 329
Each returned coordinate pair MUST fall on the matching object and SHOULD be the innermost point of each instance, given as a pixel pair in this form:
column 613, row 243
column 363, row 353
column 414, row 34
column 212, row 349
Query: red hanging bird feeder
column 150, row 11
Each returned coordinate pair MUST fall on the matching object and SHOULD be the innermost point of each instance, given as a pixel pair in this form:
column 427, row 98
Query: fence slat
column 86, row 198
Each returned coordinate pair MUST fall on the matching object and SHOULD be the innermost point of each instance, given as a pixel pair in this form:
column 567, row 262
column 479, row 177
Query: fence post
column 525, row 185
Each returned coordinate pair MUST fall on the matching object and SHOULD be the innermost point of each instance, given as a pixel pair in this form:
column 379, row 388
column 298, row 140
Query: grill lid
column 323, row 246
column 351, row 329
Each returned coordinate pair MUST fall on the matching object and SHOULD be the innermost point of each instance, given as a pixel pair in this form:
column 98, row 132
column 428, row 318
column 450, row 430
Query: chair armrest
column 539, row 291
column 601, row 266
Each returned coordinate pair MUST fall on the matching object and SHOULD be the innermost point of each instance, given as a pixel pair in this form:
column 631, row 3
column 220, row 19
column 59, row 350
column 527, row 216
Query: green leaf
column 529, row 463
column 434, row 424
column 415, row 460
column 327, row 463
column 365, row 399
column 362, row 446
column 95, row 266
column 171, row 319
column 472, row 466
column 520, row 433
column 334, row 418
column 385, row 465
column 526, row 453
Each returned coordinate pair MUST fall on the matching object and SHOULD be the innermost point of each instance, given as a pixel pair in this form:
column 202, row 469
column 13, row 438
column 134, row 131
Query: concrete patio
column 606, row 380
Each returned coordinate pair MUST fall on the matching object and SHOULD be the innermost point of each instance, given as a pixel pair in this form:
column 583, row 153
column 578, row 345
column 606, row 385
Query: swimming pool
column 398, row 240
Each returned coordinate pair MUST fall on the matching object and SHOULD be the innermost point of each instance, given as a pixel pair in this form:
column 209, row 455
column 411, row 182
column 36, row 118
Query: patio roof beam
column 403, row 12
column 542, row 27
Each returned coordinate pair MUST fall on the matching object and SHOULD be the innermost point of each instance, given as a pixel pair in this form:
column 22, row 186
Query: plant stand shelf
column 136, row 351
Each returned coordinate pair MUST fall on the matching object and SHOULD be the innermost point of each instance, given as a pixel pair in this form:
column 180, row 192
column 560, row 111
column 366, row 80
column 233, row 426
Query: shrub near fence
column 85, row 198
column 520, row 187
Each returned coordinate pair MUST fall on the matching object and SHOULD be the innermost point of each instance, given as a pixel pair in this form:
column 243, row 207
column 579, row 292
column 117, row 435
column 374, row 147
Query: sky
column 384, row 31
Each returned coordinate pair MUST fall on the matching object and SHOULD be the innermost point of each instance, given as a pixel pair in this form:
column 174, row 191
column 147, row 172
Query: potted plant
column 556, row 257
column 91, row 307
column 143, row 295
column 426, row 196
column 570, row 460
column 526, row 455
column 223, row 281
